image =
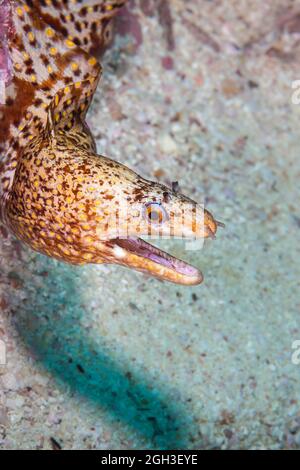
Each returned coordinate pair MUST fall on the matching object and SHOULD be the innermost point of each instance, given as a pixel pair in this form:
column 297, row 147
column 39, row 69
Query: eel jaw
column 142, row 256
column 137, row 254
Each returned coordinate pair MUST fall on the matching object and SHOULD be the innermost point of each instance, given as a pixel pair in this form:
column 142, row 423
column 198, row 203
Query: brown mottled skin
column 57, row 194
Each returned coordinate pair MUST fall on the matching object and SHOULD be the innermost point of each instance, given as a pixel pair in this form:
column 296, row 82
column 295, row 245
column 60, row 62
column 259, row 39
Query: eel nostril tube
column 220, row 224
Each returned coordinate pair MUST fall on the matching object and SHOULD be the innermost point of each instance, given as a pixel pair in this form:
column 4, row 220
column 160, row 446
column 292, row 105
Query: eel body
column 56, row 194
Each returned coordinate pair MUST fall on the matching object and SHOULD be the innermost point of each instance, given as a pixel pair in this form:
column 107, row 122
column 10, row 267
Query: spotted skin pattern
column 58, row 195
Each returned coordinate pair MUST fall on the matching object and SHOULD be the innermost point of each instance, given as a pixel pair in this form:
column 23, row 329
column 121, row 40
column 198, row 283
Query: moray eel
column 57, row 195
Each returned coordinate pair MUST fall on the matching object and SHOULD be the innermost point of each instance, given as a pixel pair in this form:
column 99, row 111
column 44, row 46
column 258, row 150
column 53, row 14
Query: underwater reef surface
column 102, row 357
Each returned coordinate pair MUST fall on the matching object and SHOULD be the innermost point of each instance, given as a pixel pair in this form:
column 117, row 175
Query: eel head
column 84, row 208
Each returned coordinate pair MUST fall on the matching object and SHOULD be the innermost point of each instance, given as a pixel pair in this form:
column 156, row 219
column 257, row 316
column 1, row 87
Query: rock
column 167, row 144
column 167, row 63
column 230, row 88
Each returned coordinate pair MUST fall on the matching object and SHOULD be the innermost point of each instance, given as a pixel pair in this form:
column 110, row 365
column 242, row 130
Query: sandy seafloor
column 101, row 357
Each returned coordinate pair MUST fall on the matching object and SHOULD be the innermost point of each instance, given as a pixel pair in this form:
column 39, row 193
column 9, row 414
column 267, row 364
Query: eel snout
column 134, row 252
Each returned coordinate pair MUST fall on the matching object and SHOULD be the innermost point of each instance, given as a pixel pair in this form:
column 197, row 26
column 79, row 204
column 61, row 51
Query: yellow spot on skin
column 36, row 184
column 75, row 230
column 53, row 51
column 49, row 32
column 69, row 199
column 109, row 7
column 92, row 61
column 82, row 217
column 69, row 43
column 88, row 256
column 21, row 127
column 18, row 66
column 25, row 55
column 67, row 90
column 26, row 8
column 19, row 11
column 69, row 102
column 50, row 69
column 74, row 66
column 57, row 117
column 66, row 251
column 33, row 78
column 77, row 84
column 56, row 100
column 31, row 36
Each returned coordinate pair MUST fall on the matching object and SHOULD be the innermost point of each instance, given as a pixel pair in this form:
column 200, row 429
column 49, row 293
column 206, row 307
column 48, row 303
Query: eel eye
column 155, row 213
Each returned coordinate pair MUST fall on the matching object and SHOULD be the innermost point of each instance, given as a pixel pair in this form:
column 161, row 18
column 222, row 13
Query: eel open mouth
column 135, row 253
column 140, row 255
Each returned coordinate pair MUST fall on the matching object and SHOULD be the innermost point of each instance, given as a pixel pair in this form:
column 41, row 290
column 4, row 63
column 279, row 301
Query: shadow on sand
column 49, row 323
